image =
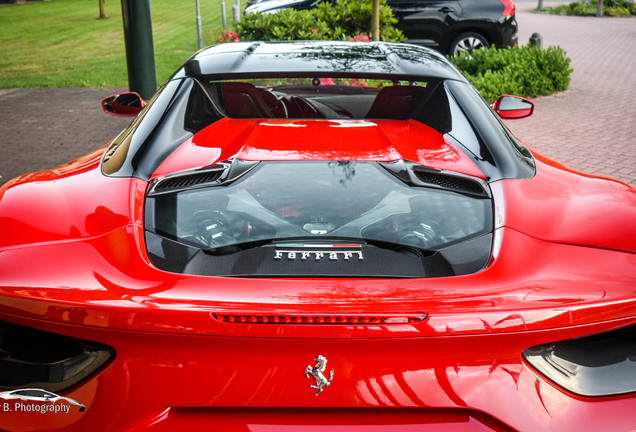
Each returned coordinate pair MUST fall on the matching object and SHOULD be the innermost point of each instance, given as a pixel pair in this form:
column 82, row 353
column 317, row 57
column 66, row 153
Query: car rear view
column 317, row 236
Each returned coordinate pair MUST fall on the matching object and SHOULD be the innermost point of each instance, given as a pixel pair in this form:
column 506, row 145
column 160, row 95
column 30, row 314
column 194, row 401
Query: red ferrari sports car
column 311, row 237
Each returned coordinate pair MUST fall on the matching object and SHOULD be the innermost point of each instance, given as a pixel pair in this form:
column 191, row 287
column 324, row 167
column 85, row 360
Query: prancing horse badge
column 316, row 372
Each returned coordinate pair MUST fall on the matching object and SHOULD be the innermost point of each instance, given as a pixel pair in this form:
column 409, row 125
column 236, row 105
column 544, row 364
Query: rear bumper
column 174, row 382
column 177, row 368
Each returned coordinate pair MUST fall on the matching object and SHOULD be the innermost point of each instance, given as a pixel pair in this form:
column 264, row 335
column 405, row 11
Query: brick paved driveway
column 590, row 127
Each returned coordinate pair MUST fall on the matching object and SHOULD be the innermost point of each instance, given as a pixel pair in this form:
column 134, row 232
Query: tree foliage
column 327, row 21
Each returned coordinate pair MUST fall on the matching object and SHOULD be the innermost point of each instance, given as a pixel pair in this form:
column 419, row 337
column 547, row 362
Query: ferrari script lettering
column 316, row 372
column 317, row 255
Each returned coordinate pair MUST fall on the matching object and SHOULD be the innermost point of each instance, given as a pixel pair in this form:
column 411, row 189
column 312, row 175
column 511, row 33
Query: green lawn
column 62, row 43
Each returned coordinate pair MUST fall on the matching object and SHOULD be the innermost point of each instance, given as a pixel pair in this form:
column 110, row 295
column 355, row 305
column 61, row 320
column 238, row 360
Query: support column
column 140, row 56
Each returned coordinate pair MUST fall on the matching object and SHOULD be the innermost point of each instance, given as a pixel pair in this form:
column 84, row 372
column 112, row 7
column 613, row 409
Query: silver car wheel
column 468, row 42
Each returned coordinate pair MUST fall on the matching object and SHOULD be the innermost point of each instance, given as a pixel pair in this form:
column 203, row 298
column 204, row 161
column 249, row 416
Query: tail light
column 509, row 7
column 318, row 319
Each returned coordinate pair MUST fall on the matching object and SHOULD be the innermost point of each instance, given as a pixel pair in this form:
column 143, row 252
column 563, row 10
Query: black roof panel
column 316, row 57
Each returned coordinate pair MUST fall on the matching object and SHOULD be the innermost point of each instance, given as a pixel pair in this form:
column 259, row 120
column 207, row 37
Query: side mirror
column 513, row 107
column 127, row 104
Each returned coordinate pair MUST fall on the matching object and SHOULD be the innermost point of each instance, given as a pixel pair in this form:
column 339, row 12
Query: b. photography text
column 39, row 408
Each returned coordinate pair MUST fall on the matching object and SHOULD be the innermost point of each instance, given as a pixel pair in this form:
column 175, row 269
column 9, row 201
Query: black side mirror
column 127, row 104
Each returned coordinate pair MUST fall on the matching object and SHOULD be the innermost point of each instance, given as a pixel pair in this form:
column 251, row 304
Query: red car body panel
column 567, row 207
column 73, row 262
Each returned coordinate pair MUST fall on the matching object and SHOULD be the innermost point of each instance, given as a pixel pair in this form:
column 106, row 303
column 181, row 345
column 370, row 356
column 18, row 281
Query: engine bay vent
column 455, row 183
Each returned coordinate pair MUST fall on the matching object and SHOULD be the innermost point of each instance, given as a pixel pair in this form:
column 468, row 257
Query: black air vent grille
column 458, row 184
column 185, row 181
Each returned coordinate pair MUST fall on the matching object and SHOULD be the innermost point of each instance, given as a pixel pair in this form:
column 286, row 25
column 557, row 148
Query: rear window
column 314, row 203
column 318, row 97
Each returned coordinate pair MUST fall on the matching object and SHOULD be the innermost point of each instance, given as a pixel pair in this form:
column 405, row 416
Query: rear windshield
column 361, row 204
column 327, row 97
column 326, row 198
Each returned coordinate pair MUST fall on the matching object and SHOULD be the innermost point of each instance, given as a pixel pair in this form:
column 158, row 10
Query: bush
column 613, row 8
column 288, row 24
column 345, row 19
column 353, row 17
column 528, row 71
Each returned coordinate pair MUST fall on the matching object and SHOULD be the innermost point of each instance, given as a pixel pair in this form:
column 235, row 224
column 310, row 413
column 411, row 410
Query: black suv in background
column 449, row 26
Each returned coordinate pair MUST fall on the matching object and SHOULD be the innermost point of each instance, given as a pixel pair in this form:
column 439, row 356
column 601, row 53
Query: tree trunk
column 375, row 21
column 102, row 9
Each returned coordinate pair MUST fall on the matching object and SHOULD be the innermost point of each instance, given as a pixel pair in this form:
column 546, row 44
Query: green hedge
column 613, row 8
column 527, row 71
column 344, row 20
